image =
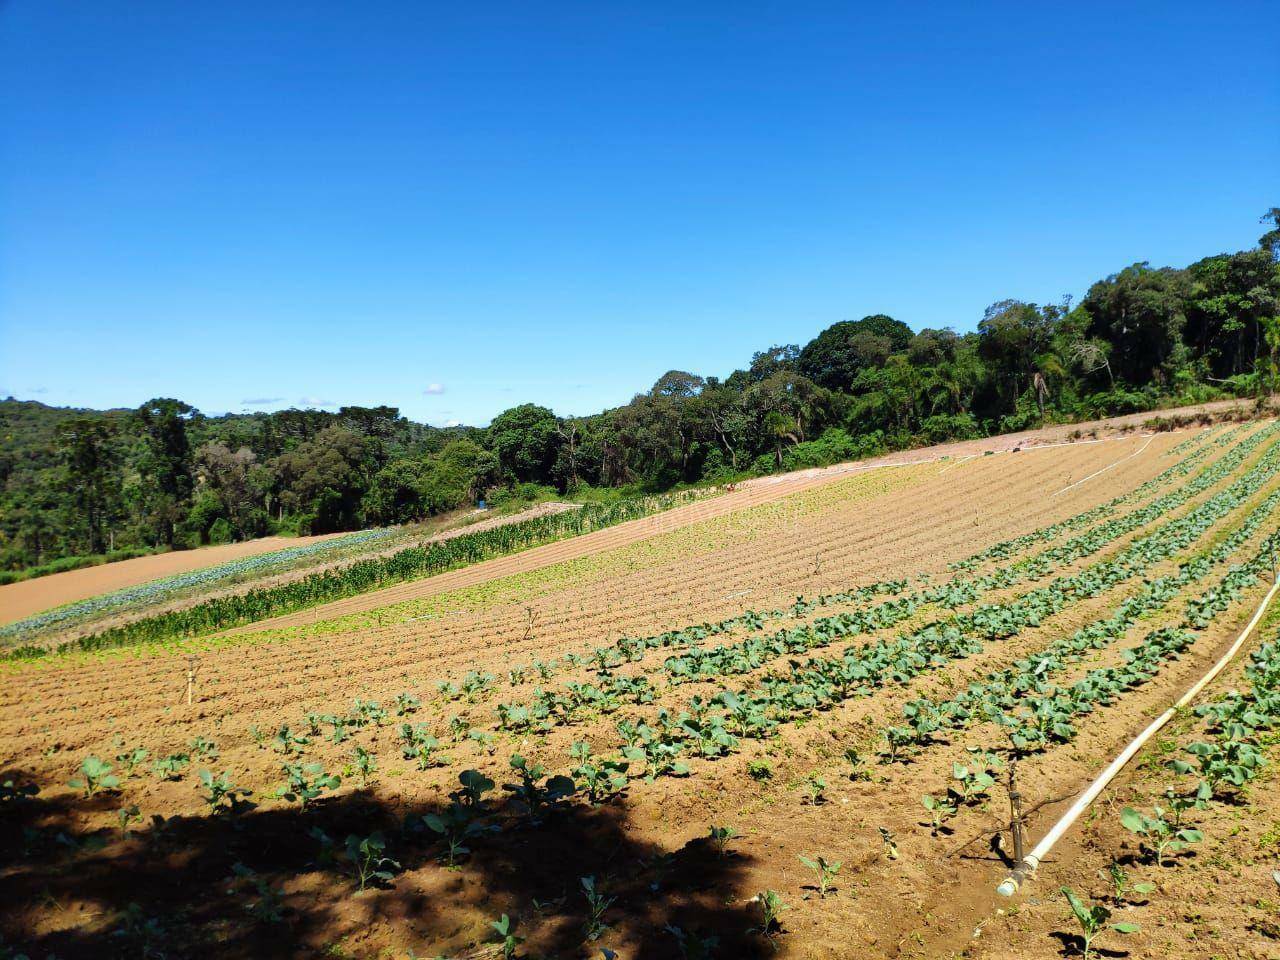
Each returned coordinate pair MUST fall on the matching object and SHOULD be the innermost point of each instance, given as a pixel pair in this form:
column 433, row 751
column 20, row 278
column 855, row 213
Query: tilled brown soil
column 646, row 849
column 852, row 546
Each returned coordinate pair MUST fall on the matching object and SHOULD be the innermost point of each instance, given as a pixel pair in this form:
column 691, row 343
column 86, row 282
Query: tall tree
column 92, row 471
column 525, row 439
column 166, row 465
column 834, row 358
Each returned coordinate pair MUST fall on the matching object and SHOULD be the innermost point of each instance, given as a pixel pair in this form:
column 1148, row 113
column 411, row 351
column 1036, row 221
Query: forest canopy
column 76, row 483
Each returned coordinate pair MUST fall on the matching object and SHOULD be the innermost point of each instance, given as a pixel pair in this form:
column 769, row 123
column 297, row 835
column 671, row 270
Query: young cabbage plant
column 890, row 844
column 306, row 783
column 771, row 909
column 418, row 744
column 813, row 789
column 287, row 742
column 130, row 760
column 220, row 793
column 1093, row 921
column 601, row 779
column 857, row 765
column 1163, row 836
column 126, row 816
column 456, row 825
column 535, row 794
column 368, row 860
column 721, row 837
column 504, row 927
column 203, row 748
column 406, row 704
column 1120, row 885
column 940, row 809
column 171, row 767
column 474, row 786
column 268, row 907
column 973, row 783
column 597, row 903
column 824, row 873
column 365, row 764
column 94, row 776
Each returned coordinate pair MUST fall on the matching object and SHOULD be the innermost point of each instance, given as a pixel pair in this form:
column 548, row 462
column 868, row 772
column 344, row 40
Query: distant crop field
column 777, row 722
column 26, row 597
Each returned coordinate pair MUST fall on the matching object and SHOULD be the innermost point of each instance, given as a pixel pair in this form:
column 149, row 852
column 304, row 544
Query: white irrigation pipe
column 1108, row 467
column 1031, row 861
column 957, row 463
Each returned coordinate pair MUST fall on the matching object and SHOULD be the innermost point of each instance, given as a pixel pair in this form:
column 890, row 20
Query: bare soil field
column 667, row 670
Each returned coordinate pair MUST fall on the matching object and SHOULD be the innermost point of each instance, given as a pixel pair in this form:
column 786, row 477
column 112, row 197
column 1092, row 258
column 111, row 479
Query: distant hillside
column 80, row 482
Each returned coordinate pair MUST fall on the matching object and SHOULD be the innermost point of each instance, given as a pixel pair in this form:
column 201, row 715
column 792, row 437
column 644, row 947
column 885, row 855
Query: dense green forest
column 82, row 482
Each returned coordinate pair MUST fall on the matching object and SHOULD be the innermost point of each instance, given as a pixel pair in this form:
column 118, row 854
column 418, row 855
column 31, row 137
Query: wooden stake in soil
column 193, row 667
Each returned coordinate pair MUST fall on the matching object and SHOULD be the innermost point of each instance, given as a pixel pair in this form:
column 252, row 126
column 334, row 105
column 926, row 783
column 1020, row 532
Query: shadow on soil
column 168, row 888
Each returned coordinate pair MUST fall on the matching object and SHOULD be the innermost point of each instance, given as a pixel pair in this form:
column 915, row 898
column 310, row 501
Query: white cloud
column 261, row 401
column 453, row 423
column 315, row 402
column 434, row 389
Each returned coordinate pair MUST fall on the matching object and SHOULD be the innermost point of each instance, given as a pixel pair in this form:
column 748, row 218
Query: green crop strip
column 697, row 539
column 819, row 683
column 362, row 576
column 1028, row 677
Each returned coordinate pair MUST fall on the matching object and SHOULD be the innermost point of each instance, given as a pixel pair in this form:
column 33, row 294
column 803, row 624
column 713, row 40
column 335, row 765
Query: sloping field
column 1091, row 456
column 21, row 599
column 305, row 557
column 956, row 616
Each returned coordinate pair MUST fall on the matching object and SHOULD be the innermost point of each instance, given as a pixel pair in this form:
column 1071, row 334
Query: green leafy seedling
column 771, row 909
column 369, row 863
column 824, row 873
column 504, row 927
column 721, row 837
column 597, row 904
column 1162, row 835
column 94, row 776
column 1093, row 921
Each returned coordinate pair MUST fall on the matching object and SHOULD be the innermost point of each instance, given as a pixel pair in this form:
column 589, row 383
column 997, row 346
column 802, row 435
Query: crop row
column 1048, row 715
column 1007, row 548
column 712, row 726
column 709, row 727
column 758, row 713
column 1226, row 762
column 412, row 563
column 158, row 591
column 1004, row 689
column 753, row 652
column 820, row 683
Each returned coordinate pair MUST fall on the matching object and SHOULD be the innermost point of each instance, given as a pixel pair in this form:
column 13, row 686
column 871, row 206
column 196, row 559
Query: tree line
column 81, row 482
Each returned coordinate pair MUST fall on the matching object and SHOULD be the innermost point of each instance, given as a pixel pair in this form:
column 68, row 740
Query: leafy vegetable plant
column 824, row 873
column 94, row 776
column 1093, row 920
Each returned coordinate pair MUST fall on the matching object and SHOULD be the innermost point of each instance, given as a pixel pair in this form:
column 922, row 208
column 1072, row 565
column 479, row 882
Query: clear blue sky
column 453, row 208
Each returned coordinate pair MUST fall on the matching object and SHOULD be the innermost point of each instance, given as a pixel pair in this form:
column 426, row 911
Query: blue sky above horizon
column 451, row 210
